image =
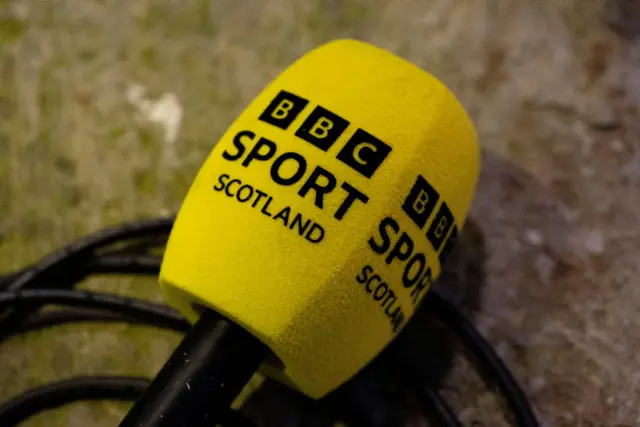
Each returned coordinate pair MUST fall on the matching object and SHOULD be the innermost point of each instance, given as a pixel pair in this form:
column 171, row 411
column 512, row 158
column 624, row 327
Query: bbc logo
column 420, row 204
column 363, row 152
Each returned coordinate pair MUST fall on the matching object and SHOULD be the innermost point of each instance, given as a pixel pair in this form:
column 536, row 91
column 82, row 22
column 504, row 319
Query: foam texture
column 328, row 282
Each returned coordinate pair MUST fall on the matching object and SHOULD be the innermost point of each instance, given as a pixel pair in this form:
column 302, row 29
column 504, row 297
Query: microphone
column 315, row 227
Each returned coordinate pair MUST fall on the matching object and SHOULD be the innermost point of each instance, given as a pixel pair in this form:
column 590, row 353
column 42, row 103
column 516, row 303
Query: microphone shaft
column 202, row 377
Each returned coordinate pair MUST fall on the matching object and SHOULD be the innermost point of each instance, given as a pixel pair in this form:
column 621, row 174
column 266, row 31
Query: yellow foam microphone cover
column 324, row 213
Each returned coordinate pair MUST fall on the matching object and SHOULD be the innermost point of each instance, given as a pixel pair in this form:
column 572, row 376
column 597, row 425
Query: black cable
column 57, row 394
column 146, row 245
column 126, row 264
column 146, row 312
column 440, row 411
column 204, row 374
column 85, row 246
column 108, row 263
column 54, row 395
column 67, row 316
column 79, row 251
column 5, row 279
column 437, row 409
column 485, row 356
column 104, row 264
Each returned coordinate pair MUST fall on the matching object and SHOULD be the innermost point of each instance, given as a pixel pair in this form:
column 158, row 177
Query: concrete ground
column 108, row 108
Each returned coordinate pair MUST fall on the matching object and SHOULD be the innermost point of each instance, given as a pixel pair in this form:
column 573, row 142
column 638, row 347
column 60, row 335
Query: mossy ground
column 552, row 90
